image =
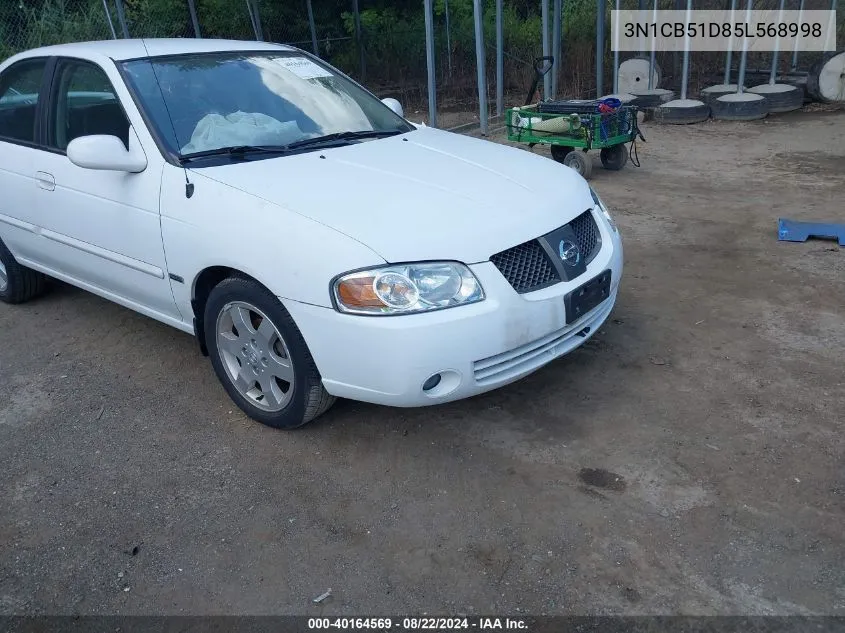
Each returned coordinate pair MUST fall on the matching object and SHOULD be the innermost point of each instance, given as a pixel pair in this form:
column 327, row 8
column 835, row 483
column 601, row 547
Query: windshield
column 236, row 99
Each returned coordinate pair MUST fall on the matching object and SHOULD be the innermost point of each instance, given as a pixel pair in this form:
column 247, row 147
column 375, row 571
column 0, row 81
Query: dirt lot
column 689, row 459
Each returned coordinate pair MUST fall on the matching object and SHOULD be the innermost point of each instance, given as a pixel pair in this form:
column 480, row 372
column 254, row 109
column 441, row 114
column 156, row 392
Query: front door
column 101, row 227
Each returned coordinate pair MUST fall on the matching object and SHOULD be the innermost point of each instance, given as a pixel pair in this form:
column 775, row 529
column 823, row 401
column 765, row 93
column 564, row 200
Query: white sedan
column 316, row 243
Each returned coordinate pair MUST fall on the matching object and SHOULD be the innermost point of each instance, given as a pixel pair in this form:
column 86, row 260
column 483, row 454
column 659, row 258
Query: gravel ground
column 688, row 459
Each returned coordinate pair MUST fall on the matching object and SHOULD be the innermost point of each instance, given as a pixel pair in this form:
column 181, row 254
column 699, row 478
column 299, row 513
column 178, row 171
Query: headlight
column 603, row 209
column 406, row 288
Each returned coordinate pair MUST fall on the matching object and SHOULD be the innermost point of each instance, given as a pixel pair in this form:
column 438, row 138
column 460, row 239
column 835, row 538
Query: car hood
column 424, row 195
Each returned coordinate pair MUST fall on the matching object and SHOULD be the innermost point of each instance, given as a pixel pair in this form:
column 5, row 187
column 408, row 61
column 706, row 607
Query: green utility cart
column 577, row 124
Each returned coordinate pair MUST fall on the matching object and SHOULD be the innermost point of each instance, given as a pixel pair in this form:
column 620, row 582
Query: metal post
column 193, row 10
column 797, row 39
column 312, row 27
column 679, row 4
column 556, row 46
column 258, row 20
column 729, row 56
column 775, row 52
column 616, row 51
column 121, row 17
column 361, row 56
column 448, row 38
column 830, row 36
column 252, row 8
column 741, row 78
column 479, row 62
column 653, row 47
column 251, row 18
column 429, row 61
column 600, row 16
column 685, row 75
column 108, row 17
column 544, row 13
column 641, row 6
column 500, row 61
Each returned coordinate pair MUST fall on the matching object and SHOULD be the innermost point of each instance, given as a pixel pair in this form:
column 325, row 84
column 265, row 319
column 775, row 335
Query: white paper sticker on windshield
column 303, row 67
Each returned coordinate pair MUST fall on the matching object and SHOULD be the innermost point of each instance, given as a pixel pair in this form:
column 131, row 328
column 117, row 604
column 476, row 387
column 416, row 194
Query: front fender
column 293, row 256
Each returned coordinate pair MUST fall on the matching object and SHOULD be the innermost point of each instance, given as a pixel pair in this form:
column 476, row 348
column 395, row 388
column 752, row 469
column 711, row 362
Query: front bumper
column 475, row 348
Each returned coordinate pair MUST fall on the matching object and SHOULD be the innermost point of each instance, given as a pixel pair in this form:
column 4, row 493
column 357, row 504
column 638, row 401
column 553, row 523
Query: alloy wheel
column 255, row 356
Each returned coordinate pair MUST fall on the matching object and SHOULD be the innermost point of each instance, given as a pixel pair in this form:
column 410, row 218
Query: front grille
column 526, row 267
column 587, row 234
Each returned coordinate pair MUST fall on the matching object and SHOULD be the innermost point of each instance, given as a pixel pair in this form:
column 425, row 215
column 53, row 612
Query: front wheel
column 259, row 355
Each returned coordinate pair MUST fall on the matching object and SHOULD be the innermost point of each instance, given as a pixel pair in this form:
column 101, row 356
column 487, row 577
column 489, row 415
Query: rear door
column 21, row 87
column 100, row 227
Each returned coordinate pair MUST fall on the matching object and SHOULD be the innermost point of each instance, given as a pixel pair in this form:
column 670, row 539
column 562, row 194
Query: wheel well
column 204, row 284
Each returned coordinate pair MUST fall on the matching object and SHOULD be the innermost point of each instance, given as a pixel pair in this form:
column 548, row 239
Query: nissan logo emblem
column 570, row 254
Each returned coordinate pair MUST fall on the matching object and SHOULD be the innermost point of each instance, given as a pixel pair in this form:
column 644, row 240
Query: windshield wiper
column 342, row 136
column 237, row 151
column 241, row 151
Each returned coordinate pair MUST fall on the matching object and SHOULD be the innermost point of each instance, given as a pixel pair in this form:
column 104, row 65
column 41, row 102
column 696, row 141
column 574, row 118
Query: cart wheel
column 580, row 162
column 614, row 157
column 559, row 152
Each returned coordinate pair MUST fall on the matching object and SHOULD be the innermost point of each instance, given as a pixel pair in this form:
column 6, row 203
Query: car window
column 201, row 102
column 86, row 104
column 19, row 90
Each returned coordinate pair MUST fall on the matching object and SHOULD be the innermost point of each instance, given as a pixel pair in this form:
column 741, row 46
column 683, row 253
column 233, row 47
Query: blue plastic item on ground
column 794, row 231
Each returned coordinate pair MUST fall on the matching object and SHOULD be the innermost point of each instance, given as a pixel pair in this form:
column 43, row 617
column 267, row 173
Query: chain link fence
column 382, row 43
column 26, row 25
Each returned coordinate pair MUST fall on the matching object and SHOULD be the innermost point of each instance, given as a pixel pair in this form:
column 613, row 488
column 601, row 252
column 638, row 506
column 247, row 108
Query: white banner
column 716, row 30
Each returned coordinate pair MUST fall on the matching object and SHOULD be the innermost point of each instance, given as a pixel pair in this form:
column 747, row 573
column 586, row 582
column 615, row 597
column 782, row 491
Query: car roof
column 137, row 48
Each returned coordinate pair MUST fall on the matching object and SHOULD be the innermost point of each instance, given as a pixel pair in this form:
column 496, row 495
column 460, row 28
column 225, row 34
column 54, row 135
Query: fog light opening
column 441, row 384
column 432, row 382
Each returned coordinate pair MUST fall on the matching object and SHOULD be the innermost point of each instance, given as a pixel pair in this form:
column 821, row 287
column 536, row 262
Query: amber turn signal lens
column 358, row 293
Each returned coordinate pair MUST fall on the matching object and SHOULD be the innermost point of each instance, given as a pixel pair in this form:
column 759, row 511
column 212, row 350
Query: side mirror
column 106, row 153
column 394, row 105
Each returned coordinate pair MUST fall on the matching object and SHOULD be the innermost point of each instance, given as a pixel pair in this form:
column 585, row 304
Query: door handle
column 45, row 180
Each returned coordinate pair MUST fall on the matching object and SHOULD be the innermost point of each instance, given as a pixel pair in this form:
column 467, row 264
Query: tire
column 614, row 158
column 682, row 115
column 726, row 110
column 580, row 162
column 708, row 95
column 653, row 98
column 559, row 152
column 18, row 283
column 780, row 97
column 648, row 100
column 255, row 361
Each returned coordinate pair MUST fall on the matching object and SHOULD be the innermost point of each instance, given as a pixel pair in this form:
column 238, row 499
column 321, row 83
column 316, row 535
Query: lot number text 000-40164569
column 417, row 623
